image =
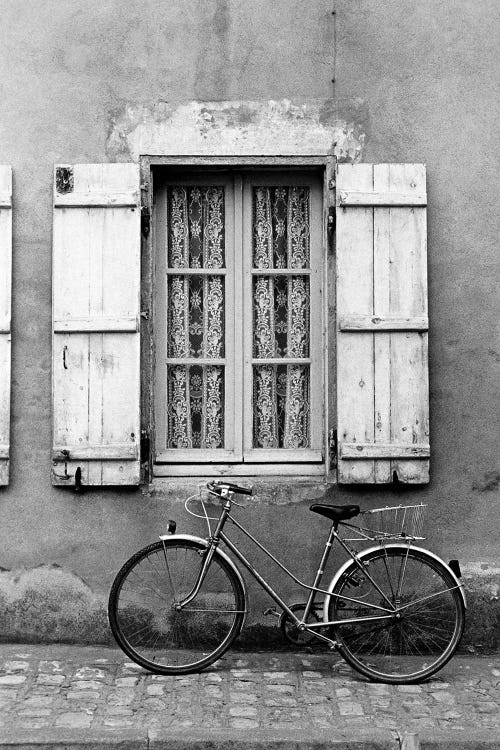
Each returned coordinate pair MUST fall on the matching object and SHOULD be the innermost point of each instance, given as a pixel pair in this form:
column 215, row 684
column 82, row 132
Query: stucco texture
column 418, row 82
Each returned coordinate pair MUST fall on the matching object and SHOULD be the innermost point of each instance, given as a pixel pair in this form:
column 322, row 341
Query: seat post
column 325, row 556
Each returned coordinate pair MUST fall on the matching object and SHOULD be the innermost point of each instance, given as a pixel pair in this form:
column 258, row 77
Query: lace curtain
column 280, row 317
column 195, row 317
column 281, row 309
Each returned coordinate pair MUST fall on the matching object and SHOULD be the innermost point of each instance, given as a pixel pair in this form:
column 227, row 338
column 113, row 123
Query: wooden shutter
column 382, row 365
column 96, row 315
column 5, row 314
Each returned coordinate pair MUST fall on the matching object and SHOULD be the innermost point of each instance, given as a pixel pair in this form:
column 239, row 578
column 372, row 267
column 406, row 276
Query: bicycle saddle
column 335, row 513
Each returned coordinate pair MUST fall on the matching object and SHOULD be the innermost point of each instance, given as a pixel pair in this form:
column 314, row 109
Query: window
column 236, row 270
column 238, row 293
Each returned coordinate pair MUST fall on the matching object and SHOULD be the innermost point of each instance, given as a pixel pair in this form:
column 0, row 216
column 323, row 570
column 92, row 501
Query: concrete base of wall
column 49, row 604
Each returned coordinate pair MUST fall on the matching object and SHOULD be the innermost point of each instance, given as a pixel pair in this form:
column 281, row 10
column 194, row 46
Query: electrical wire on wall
column 334, row 56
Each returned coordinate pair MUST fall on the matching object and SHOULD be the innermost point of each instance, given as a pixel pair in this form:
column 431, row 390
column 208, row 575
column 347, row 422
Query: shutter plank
column 96, row 332
column 392, row 324
column 382, row 303
column 383, row 322
column 355, row 372
column 409, row 356
column 384, row 198
column 5, row 317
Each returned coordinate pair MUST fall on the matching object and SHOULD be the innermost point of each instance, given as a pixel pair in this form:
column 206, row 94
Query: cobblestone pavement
column 98, row 688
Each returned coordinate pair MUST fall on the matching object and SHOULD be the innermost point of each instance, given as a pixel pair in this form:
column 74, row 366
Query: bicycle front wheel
column 425, row 630
column 144, row 615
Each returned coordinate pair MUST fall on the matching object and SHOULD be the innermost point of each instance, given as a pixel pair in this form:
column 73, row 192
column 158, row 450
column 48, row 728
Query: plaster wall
column 103, row 81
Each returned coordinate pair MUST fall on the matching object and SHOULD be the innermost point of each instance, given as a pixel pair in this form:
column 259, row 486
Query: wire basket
column 400, row 522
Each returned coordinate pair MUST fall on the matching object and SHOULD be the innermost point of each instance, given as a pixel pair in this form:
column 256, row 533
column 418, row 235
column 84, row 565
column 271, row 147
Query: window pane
column 281, row 406
column 195, row 316
column 281, row 316
column 281, row 227
column 195, row 411
column 196, row 227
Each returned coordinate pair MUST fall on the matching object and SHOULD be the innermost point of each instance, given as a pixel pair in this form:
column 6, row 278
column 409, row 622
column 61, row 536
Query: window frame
column 325, row 167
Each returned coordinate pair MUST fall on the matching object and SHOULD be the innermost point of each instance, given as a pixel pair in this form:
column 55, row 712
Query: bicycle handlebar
column 217, row 488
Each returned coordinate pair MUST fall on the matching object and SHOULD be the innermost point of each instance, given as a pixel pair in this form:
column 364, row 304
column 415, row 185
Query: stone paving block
column 118, row 711
column 86, row 685
column 488, row 707
column 121, row 697
column 410, row 688
column 289, row 689
column 74, row 720
column 126, row 681
column 33, row 723
column 347, row 708
column 50, row 680
column 343, row 693
column 12, row 679
column 82, row 695
column 34, row 712
column 243, row 711
column 244, row 724
column 316, row 685
column 281, row 701
column 118, row 723
column 155, row 690
column 443, row 697
column 245, row 697
column 50, row 666
column 38, row 700
column 89, row 673
column 211, row 677
column 16, row 666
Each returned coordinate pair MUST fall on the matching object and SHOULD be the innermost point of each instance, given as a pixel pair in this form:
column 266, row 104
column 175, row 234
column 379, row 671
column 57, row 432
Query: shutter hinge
column 145, row 446
column 331, row 183
column 332, row 446
column 331, row 223
column 145, row 221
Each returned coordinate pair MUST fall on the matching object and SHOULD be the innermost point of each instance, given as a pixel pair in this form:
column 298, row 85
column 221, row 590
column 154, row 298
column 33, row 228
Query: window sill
column 240, row 470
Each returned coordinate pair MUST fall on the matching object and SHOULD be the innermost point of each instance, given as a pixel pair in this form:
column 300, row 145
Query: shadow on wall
column 50, row 604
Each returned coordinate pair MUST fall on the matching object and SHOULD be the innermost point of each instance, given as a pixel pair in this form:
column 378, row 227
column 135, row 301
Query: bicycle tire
column 405, row 650
column 142, row 613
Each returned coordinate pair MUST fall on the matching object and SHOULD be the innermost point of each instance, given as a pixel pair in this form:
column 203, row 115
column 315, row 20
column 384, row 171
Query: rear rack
column 399, row 522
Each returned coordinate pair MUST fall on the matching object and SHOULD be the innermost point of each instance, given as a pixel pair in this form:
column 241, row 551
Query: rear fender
column 404, row 547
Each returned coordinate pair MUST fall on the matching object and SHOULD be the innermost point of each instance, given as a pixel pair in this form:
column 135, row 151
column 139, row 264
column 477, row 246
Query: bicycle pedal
column 271, row 611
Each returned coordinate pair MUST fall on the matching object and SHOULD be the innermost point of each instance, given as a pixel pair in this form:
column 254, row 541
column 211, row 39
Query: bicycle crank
column 291, row 630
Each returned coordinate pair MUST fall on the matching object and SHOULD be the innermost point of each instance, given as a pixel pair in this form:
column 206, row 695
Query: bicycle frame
column 390, row 611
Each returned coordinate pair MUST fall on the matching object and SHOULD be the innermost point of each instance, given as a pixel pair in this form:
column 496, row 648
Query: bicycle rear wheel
column 412, row 645
column 143, row 615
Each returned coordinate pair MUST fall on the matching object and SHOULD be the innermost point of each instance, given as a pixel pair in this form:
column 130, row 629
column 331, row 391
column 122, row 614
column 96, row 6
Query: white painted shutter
column 5, row 315
column 382, row 363
column 96, row 316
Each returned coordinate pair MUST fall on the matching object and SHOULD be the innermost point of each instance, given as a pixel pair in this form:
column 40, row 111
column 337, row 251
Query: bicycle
column 395, row 611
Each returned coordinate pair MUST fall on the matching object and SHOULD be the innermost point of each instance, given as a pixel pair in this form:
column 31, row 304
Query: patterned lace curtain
column 281, row 310
column 195, row 318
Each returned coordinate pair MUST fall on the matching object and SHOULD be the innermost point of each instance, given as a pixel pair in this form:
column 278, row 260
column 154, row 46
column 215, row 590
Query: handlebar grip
column 217, row 487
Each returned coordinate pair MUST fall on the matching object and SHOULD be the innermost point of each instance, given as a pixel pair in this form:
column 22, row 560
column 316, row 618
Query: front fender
column 340, row 572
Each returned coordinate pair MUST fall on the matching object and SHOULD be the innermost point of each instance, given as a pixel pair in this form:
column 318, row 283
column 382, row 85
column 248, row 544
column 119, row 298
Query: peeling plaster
column 233, row 128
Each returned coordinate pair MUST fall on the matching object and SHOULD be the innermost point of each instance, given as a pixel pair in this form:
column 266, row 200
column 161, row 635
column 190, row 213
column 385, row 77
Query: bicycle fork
column 207, row 558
